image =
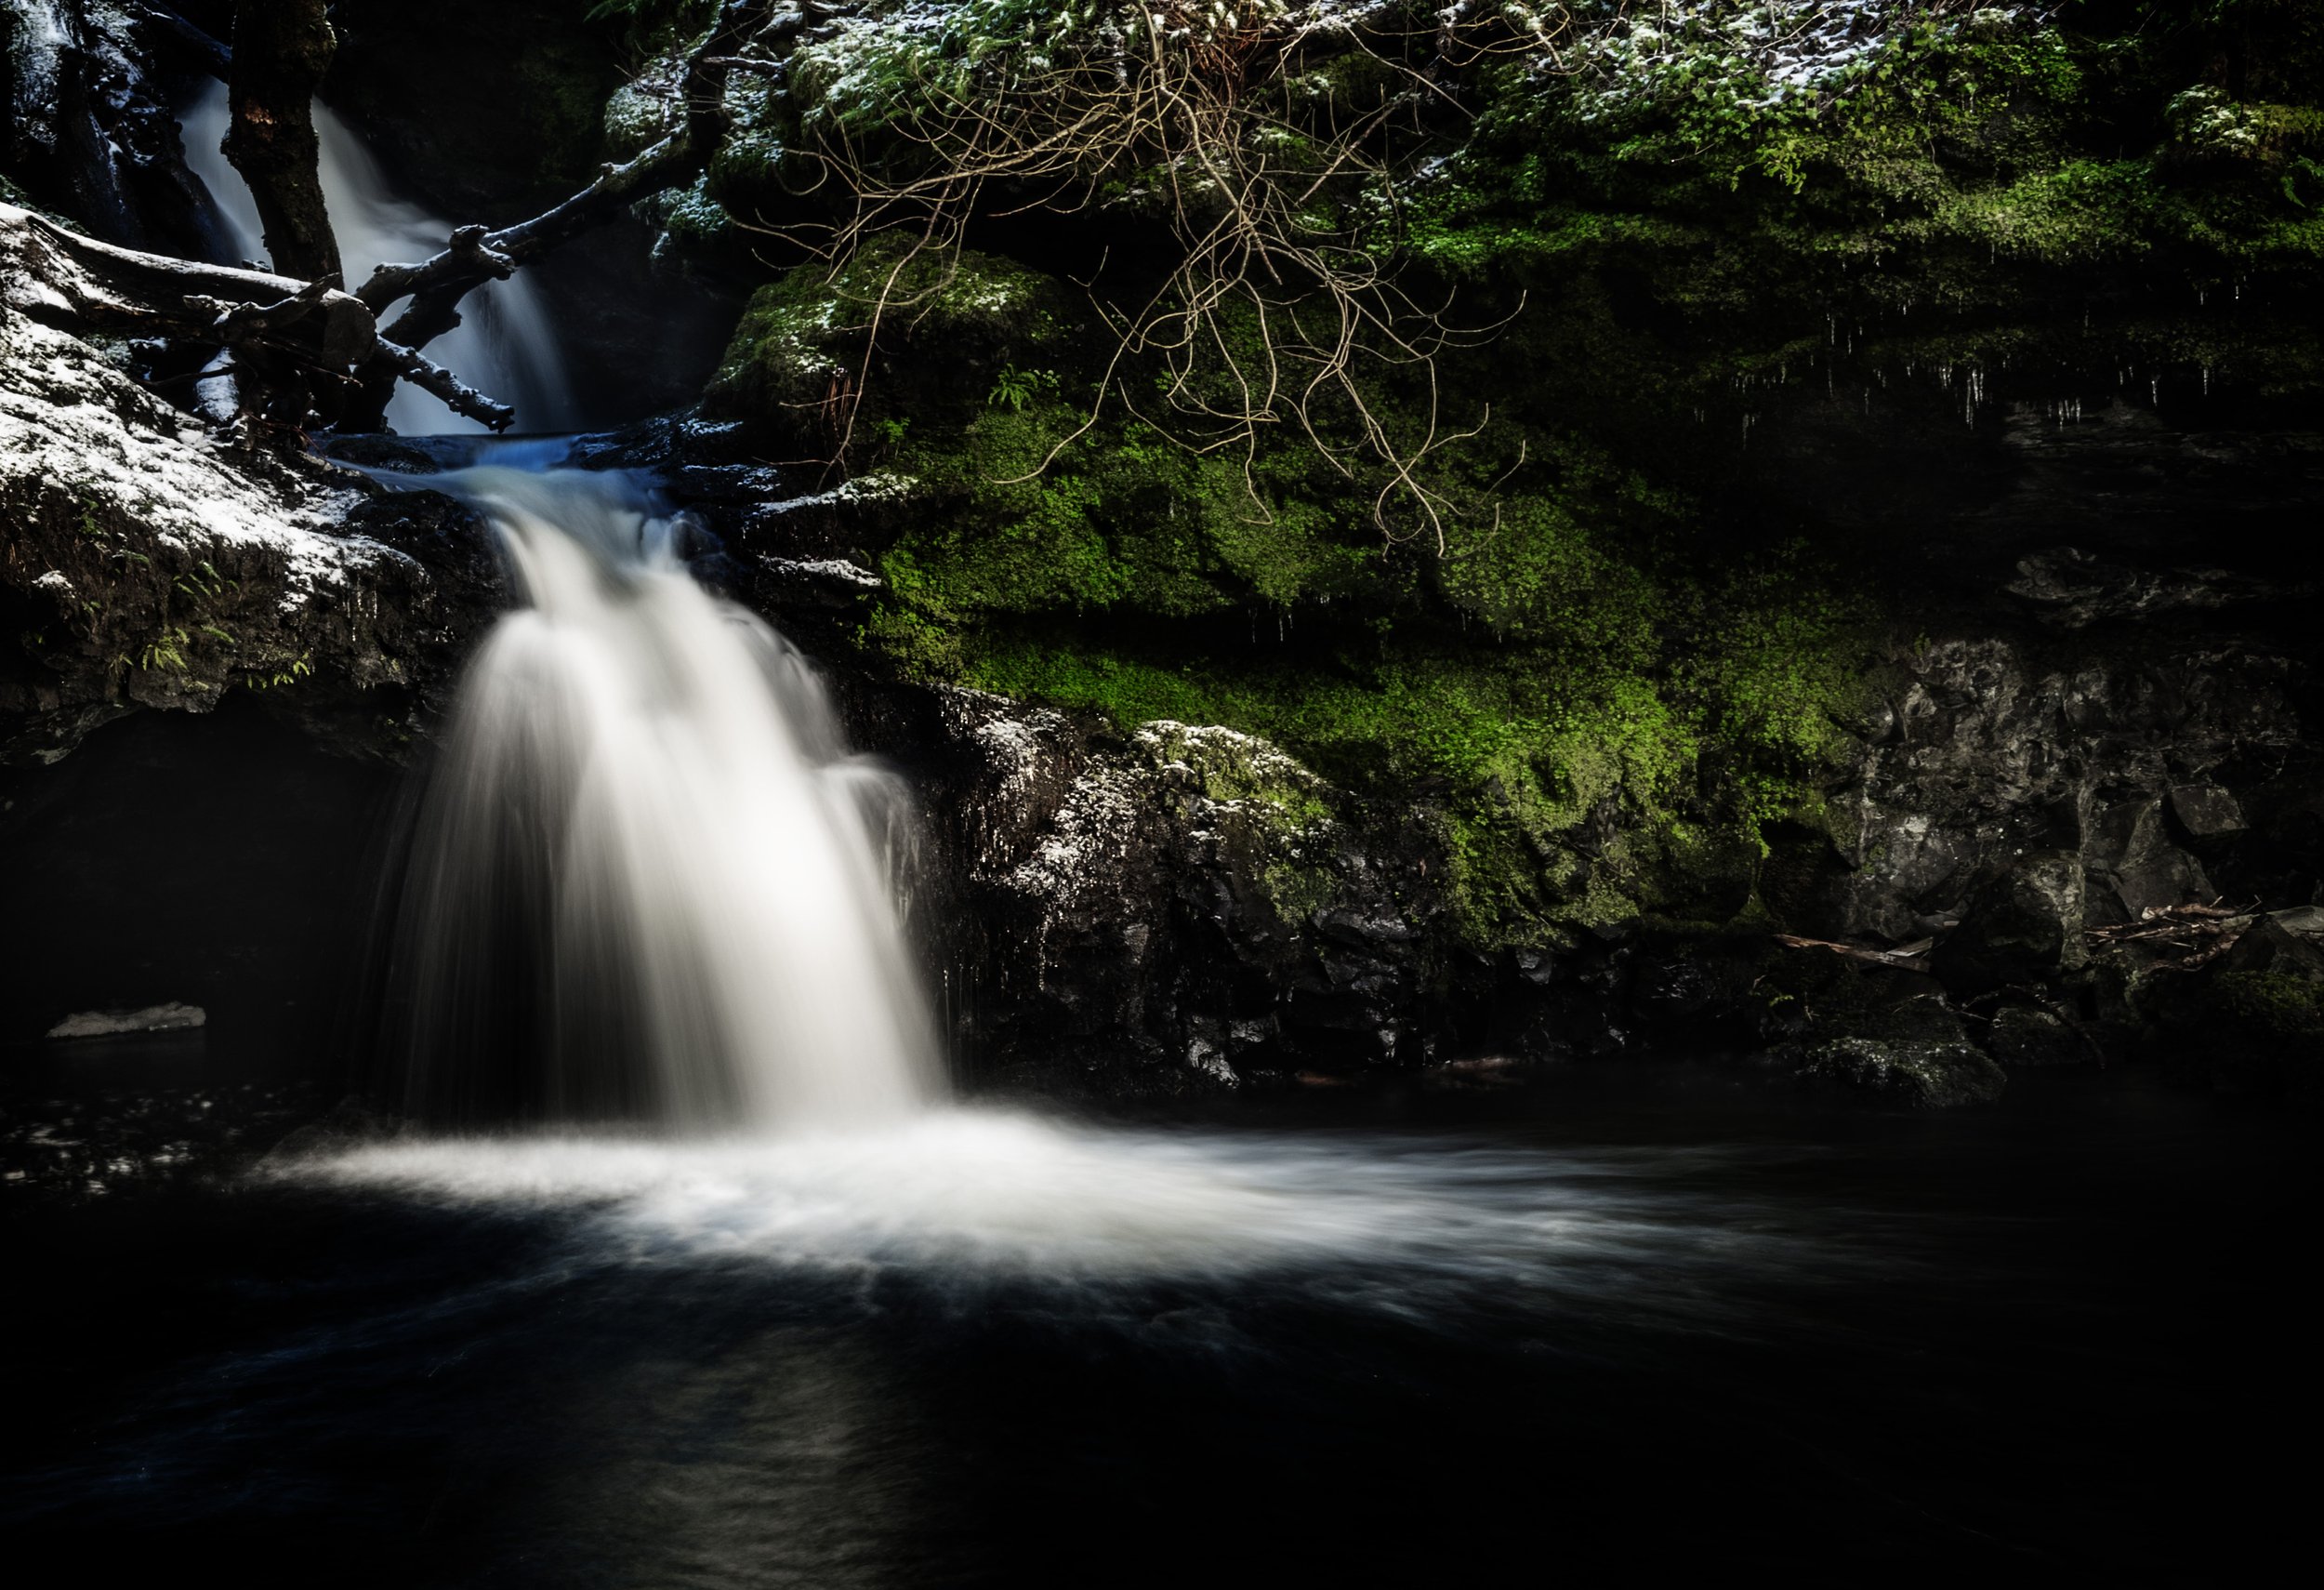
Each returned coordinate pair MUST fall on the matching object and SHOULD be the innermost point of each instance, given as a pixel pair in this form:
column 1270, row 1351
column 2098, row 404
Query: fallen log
column 107, row 288
column 54, row 275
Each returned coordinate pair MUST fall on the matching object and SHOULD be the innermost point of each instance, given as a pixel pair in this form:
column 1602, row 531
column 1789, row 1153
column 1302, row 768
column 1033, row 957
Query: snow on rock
column 144, row 564
column 72, row 424
column 1757, row 52
column 170, row 1017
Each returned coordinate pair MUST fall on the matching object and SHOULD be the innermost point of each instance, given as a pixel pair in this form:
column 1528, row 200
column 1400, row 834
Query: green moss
column 1529, row 747
column 1236, row 767
column 2278, row 1004
column 1977, row 168
column 1614, row 671
column 912, row 330
column 1298, row 890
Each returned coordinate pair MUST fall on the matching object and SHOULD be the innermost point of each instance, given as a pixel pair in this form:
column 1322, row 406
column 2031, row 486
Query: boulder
column 1919, row 1075
column 2025, row 925
column 2274, row 944
column 1179, row 909
column 2024, row 1035
column 151, row 564
column 2207, row 814
column 2130, row 851
column 2244, row 1026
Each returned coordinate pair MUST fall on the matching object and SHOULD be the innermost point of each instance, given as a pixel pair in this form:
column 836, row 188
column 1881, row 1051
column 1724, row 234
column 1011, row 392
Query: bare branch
column 286, row 328
column 457, row 395
column 1279, row 309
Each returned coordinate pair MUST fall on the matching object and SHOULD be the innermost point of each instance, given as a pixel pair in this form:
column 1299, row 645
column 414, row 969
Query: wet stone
column 2022, row 1035
column 2207, row 812
column 1918, row 1075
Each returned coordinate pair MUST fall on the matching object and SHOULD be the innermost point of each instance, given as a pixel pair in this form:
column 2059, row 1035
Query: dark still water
column 1582, row 1330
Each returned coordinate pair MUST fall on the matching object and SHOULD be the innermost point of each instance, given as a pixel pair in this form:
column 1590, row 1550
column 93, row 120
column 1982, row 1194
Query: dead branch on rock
column 2197, row 933
column 103, row 286
column 1908, row 955
column 288, row 336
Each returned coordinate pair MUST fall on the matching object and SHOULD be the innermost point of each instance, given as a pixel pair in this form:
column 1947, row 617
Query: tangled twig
column 1281, row 306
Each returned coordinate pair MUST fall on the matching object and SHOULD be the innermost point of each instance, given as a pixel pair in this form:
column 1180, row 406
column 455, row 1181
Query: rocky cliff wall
column 1878, row 676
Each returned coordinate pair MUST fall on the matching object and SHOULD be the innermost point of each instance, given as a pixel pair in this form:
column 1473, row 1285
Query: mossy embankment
column 1546, row 590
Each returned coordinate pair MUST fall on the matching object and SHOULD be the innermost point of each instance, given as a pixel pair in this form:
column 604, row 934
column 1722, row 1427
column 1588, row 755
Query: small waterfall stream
column 645, row 884
column 506, row 342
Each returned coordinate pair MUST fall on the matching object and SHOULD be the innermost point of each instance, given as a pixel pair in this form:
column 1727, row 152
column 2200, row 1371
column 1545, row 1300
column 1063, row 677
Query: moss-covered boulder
column 2249, row 1020
column 842, row 365
column 1915, row 1075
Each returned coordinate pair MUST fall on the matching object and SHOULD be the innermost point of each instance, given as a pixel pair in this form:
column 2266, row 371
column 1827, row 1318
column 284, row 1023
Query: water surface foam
column 1000, row 1193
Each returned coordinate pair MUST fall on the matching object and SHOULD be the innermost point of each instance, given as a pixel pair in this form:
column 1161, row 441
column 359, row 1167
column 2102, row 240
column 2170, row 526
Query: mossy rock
column 1229, row 766
column 2259, row 1033
column 896, row 337
column 1918, row 1075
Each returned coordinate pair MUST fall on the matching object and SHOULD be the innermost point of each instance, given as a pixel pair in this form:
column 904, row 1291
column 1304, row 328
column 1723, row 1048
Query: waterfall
column 645, row 883
column 505, row 344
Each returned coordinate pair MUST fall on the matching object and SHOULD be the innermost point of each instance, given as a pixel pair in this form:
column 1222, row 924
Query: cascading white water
column 505, row 344
column 645, row 885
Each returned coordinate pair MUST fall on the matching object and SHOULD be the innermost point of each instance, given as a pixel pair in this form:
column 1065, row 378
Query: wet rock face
column 85, row 124
column 1183, row 907
column 2000, row 752
column 1188, row 908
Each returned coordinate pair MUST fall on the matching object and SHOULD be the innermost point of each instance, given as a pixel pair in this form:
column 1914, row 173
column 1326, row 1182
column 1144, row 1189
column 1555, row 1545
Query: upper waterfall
column 507, row 343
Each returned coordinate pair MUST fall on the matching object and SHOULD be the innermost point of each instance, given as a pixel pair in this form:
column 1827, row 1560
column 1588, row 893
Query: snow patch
column 72, row 423
column 170, row 1017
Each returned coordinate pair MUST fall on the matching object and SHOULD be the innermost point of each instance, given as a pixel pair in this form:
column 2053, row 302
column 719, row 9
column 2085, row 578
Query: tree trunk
column 282, row 48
